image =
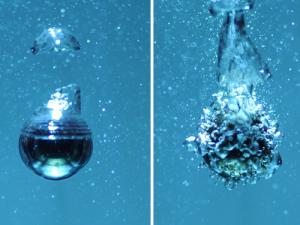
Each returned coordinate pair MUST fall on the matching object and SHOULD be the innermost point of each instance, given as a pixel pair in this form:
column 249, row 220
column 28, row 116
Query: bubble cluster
column 237, row 140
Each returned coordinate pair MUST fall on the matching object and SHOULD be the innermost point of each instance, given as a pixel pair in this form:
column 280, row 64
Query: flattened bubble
column 224, row 6
column 237, row 140
column 55, row 39
column 56, row 142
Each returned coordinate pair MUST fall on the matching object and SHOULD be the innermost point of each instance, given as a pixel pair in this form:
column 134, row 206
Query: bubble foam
column 237, row 139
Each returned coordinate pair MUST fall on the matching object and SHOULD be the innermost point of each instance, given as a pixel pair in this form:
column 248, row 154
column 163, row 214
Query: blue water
column 112, row 69
column 186, row 40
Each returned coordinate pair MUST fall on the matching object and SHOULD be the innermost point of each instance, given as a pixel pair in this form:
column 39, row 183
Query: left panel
column 79, row 149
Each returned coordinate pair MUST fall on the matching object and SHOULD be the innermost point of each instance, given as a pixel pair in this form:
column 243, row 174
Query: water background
column 112, row 69
column 186, row 39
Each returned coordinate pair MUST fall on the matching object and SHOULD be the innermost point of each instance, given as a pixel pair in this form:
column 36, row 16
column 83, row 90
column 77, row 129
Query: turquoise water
column 186, row 40
column 112, row 69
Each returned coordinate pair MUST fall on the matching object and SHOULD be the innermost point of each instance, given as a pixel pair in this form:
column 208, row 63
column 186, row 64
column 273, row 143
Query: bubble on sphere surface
column 237, row 140
column 56, row 142
column 55, row 39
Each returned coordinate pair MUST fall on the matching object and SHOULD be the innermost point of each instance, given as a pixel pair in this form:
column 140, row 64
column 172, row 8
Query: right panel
column 227, row 80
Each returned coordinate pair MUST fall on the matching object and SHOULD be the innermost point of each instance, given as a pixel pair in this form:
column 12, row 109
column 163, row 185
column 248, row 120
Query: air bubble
column 55, row 39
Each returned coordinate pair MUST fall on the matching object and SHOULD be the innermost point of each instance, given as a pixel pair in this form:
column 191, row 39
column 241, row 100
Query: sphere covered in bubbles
column 237, row 139
column 56, row 142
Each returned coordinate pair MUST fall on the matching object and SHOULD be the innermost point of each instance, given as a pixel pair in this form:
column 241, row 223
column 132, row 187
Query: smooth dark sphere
column 55, row 157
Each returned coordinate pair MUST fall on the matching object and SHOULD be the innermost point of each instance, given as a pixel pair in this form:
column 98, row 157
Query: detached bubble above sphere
column 55, row 39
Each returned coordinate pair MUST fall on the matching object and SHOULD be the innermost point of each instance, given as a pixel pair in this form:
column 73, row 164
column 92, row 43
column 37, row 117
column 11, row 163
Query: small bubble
column 275, row 186
column 186, row 183
column 193, row 45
